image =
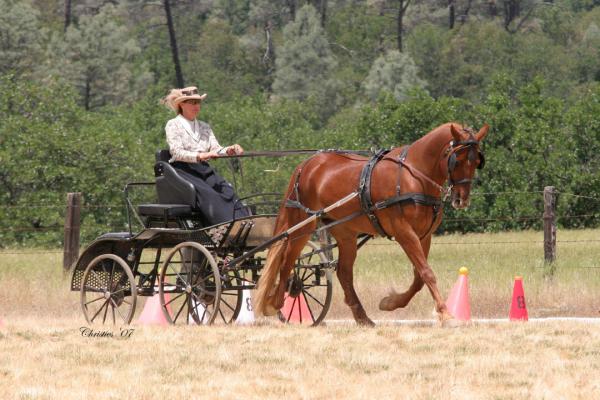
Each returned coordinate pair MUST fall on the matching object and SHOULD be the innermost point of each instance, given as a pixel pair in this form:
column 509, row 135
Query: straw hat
column 176, row 96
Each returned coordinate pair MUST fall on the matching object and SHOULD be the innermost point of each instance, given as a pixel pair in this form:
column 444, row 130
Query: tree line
column 80, row 83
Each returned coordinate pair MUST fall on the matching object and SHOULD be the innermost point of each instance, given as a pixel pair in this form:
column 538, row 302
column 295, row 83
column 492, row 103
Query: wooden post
column 72, row 224
column 549, row 224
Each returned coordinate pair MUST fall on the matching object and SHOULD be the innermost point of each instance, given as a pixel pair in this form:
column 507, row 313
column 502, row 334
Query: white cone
column 246, row 315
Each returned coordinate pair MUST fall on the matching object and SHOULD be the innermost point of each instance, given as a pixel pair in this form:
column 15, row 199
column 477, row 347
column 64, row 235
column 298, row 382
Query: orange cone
column 295, row 310
column 518, row 308
column 458, row 301
column 152, row 313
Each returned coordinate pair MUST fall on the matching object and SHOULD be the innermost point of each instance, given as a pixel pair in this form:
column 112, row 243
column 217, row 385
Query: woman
column 192, row 143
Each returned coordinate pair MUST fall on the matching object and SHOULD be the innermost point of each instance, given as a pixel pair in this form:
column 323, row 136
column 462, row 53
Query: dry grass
column 49, row 359
column 44, row 356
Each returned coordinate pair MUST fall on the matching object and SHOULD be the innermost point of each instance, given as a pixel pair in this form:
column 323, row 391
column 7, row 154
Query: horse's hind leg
column 400, row 300
column 346, row 244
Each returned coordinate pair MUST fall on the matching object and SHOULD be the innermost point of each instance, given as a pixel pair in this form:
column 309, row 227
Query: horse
column 406, row 188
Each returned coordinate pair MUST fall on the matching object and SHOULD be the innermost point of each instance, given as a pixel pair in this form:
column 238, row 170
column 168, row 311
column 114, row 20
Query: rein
column 285, row 153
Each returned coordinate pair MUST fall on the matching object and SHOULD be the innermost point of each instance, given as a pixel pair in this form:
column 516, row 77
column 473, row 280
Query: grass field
column 45, row 356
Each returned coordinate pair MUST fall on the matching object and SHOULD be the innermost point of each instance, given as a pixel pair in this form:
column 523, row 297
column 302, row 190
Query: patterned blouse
column 187, row 138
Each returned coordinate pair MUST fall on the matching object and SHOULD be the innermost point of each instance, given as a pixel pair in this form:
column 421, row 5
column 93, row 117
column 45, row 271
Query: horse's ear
column 482, row 132
column 455, row 133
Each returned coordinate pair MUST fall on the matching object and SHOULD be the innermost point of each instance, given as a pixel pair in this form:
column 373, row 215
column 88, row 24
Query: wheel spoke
column 111, row 276
column 314, row 298
column 91, row 301
column 99, row 310
column 222, row 315
column 305, row 278
column 105, row 312
column 174, row 298
column 227, row 304
column 118, row 291
column 92, row 289
column 115, row 304
column 292, row 309
column 304, row 274
column 180, row 309
column 312, row 316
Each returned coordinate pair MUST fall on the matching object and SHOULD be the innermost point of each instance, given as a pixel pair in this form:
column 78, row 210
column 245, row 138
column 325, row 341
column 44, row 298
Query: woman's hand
column 206, row 156
column 234, row 149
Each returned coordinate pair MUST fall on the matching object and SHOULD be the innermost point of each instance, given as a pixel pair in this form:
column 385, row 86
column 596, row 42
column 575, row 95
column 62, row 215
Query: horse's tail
column 266, row 284
column 275, row 256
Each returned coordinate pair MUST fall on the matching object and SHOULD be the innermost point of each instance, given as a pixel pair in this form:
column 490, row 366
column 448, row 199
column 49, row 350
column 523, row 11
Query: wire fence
column 102, row 218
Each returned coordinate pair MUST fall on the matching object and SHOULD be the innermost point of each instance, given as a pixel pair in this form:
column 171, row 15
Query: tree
column 20, row 37
column 393, row 72
column 173, row 43
column 305, row 63
column 402, row 7
column 98, row 58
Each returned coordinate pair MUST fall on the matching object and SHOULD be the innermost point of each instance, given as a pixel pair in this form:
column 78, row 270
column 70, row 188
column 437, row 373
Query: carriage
column 199, row 272
column 396, row 193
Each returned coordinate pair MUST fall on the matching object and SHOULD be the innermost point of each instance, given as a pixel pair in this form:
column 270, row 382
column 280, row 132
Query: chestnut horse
column 448, row 153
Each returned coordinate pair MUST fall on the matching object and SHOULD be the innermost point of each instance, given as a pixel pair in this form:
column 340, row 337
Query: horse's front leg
column 415, row 252
column 347, row 250
column 400, row 300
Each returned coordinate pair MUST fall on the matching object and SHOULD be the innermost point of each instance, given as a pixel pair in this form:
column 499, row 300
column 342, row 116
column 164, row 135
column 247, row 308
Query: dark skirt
column 215, row 197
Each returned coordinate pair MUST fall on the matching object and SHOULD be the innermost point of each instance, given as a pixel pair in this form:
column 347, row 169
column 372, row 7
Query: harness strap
column 364, row 191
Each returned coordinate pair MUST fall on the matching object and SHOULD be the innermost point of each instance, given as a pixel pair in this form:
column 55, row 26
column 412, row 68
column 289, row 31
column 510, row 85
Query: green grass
column 34, row 284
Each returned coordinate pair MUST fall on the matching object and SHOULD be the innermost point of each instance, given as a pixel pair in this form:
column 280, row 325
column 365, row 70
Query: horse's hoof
column 386, row 304
column 454, row 323
column 270, row 310
column 365, row 322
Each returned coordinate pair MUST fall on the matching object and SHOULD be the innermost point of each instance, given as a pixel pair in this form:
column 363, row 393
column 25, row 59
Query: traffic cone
column 246, row 315
column 295, row 310
column 518, row 308
column 199, row 309
column 458, row 301
column 152, row 314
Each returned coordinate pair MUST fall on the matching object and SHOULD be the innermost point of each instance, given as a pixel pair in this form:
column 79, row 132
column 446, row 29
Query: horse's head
column 462, row 158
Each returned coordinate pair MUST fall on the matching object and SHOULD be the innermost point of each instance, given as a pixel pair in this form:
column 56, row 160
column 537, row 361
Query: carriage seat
column 166, row 211
column 171, row 187
column 116, row 235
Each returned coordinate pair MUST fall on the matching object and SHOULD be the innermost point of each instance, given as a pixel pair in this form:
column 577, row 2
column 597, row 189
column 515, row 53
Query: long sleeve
column 213, row 144
column 178, row 145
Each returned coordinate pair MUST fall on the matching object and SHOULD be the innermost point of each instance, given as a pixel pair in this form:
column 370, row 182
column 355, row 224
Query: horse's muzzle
column 459, row 203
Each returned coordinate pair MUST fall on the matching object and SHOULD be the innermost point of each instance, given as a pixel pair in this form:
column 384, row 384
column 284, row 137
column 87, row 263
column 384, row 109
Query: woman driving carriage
column 192, row 143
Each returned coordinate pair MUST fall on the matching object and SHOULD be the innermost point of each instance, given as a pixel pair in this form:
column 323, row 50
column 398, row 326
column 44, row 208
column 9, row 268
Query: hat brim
column 192, row 97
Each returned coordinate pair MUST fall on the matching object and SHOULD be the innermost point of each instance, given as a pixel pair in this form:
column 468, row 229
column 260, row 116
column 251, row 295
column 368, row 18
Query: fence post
column 549, row 224
column 72, row 224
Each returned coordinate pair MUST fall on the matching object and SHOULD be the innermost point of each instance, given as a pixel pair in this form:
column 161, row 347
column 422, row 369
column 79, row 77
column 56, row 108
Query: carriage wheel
column 108, row 291
column 232, row 295
column 310, row 288
column 189, row 285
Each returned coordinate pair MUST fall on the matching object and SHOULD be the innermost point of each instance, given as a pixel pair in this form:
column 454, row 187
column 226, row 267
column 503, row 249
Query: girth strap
column 364, row 191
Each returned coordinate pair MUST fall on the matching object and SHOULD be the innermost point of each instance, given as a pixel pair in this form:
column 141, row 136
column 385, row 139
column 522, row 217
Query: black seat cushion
column 165, row 210
column 116, row 235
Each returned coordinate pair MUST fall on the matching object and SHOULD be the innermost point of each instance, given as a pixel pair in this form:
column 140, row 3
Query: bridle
column 472, row 146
